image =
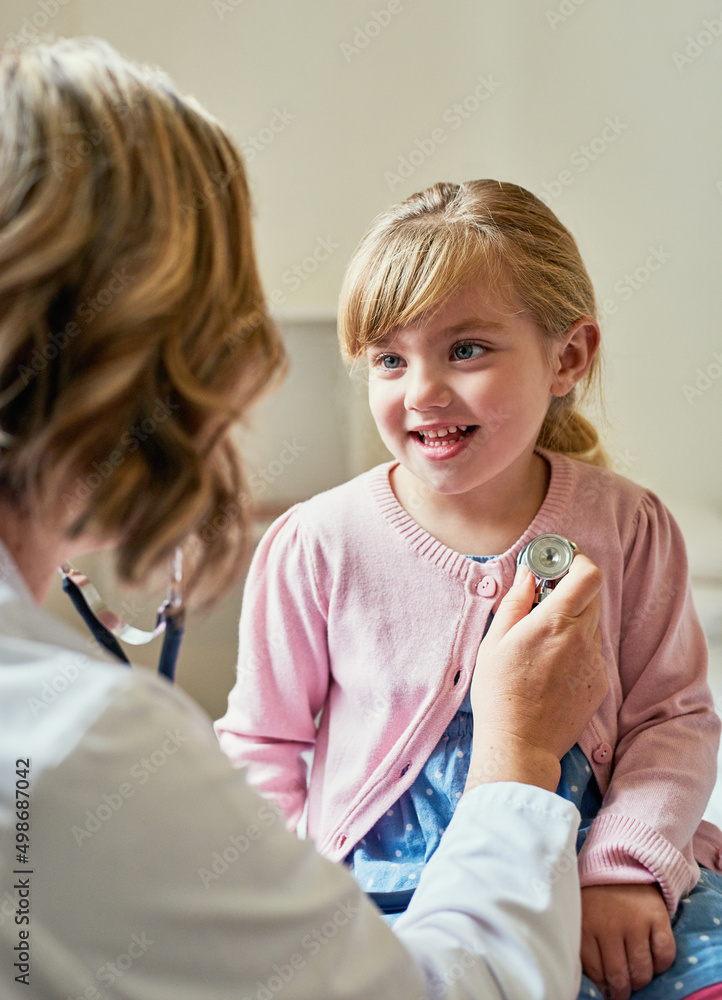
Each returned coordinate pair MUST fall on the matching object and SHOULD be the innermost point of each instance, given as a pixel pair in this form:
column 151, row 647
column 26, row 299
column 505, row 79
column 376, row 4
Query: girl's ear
column 575, row 355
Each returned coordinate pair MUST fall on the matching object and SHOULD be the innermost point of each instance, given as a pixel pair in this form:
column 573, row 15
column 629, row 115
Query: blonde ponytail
column 569, row 433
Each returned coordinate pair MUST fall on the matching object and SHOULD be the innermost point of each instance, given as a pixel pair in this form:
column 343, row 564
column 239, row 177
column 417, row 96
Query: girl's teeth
column 431, row 437
column 442, row 432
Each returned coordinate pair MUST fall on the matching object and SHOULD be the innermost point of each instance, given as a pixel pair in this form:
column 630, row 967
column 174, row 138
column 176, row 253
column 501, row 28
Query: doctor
column 135, row 862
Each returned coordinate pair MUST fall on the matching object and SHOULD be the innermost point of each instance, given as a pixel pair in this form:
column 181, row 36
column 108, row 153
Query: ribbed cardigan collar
column 547, row 519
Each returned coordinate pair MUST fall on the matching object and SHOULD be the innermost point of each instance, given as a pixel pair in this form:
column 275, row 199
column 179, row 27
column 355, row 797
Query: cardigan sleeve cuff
column 622, row 849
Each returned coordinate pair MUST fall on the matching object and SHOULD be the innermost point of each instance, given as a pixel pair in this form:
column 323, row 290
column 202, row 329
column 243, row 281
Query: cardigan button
column 486, row 587
column 602, row 754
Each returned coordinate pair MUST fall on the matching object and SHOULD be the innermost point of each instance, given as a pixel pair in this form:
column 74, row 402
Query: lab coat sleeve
column 665, row 760
column 283, row 669
column 194, row 879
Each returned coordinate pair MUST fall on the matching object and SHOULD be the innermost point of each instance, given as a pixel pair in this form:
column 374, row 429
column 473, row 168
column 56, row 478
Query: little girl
column 474, row 313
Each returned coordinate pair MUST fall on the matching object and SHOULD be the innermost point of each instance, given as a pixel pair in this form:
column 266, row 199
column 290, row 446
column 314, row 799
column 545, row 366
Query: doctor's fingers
column 578, row 591
column 514, row 607
column 588, row 679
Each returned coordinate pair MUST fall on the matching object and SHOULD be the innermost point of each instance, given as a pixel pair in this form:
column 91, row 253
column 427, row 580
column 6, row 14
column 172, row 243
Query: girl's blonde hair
column 421, row 251
column 133, row 326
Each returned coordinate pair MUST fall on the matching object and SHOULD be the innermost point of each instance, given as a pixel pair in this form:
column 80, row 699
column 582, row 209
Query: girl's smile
column 442, row 439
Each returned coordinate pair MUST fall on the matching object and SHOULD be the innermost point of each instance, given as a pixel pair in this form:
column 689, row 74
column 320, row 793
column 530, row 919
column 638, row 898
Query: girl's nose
column 426, row 389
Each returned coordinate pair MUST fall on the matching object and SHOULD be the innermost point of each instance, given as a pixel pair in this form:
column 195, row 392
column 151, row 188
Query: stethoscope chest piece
column 549, row 558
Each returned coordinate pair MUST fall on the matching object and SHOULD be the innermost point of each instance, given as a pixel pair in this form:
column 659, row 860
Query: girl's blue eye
column 465, row 352
column 389, row 362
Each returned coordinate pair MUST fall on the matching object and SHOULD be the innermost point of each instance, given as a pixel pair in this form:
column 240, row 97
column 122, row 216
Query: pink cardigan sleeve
column 668, row 732
column 283, row 672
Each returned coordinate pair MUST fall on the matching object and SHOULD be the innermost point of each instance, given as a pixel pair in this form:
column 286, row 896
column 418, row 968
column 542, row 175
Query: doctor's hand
column 538, row 680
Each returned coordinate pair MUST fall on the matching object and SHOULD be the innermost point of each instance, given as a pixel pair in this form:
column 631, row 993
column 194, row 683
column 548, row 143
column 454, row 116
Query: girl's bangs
column 410, row 274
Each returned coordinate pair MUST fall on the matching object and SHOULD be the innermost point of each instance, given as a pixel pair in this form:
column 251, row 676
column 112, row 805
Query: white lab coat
column 156, row 873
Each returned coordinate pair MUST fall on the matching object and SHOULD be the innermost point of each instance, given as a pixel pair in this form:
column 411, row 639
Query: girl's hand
column 626, row 937
column 538, row 680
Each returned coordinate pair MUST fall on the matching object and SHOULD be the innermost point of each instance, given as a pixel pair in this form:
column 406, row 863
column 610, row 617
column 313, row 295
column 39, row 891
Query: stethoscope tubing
column 107, row 628
column 102, row 635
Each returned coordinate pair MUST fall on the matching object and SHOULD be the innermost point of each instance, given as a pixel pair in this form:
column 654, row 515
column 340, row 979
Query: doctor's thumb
column 516, row 604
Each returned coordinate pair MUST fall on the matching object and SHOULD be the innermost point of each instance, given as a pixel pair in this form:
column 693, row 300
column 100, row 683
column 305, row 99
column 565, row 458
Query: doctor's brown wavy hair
column 133, row 328
column 426, row 248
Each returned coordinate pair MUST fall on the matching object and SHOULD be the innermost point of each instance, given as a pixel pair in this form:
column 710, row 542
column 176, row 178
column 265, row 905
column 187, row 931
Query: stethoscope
column 108, row 628
column 549, row 558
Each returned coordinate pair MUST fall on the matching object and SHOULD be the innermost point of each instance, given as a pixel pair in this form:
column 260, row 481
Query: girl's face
column 459, row 396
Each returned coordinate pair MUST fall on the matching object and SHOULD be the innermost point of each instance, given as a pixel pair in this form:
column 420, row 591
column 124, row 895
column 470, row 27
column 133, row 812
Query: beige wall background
column 608, row 110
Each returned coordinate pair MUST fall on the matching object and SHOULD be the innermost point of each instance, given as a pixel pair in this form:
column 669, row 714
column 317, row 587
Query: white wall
column 348, row 117
column 558, row 72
